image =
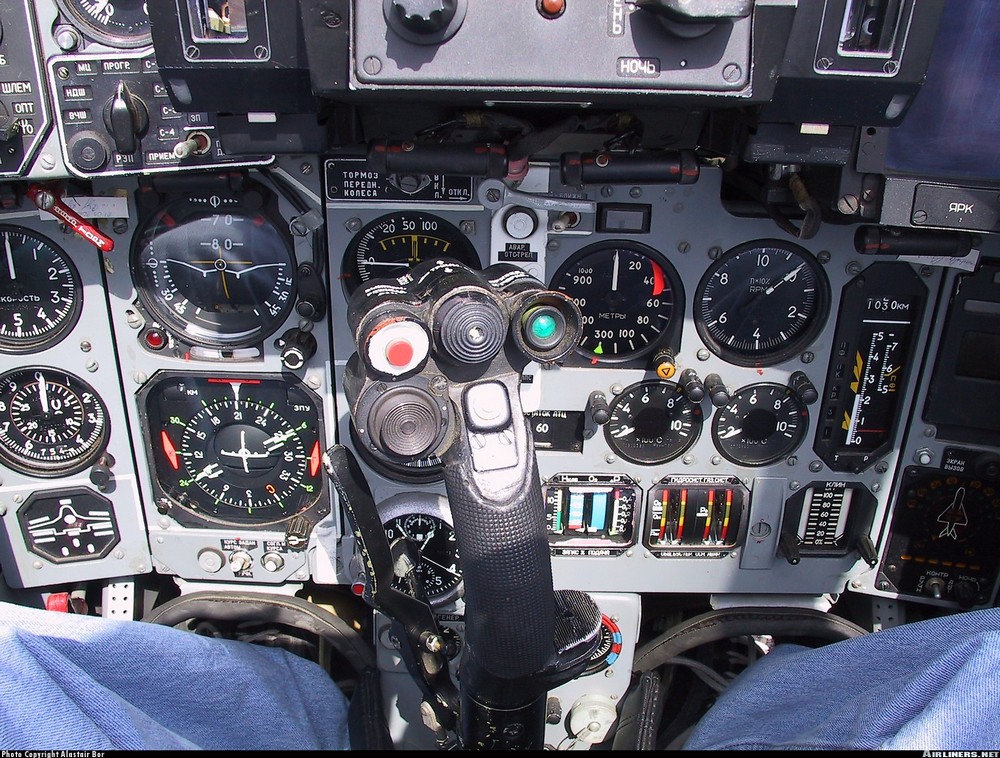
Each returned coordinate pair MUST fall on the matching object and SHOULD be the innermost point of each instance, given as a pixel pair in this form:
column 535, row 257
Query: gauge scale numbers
column 763, row 423
column 627, row 294
column 52, row 423
column 652, row 422
column 243, row 451
column 218, row 278
column 761, row 303
column 40, row 292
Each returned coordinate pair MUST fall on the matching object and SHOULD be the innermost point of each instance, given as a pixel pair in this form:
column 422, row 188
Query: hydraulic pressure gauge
column 761, row 303
column 40, row 292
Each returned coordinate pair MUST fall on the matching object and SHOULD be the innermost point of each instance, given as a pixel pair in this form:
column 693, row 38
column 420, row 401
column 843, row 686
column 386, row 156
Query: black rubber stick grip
column 500, row 525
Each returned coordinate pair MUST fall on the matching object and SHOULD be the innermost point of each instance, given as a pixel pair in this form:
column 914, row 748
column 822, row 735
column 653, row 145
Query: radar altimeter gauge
column 241, row 450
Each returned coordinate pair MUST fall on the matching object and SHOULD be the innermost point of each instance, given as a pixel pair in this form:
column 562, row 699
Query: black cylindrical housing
column 646, row 167
column 394, row 157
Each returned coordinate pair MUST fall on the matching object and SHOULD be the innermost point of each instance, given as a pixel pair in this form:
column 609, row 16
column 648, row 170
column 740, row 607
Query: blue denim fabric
column 929, row 685
column 79, row 682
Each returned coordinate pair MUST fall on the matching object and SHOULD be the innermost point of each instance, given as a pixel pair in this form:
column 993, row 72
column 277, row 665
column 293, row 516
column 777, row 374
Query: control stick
column 439, row 357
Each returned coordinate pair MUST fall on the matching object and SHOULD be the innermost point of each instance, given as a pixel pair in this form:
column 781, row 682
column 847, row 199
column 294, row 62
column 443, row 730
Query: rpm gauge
column 761, row 302
column 40, row 292
column 118, row 23
column 234, row 450
column 628, row 295
column 653, row 422
column 762, row 423
column 52, row 423
column 222, row 277
column 391, row 245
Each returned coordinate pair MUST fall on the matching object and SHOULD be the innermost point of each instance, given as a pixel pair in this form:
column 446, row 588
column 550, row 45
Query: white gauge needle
column 614, row 275
column 210, row 471
column 247, row 270
column 275, row 441
column 451, row 571
column 204, row 272
column 43, row 393
column 10, row 257
column 244, row 453
column 730, row 432
column 99, row 6
column 790, row 276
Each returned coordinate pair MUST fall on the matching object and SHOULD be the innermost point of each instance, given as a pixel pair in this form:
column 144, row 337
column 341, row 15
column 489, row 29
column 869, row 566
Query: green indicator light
column 543, row 326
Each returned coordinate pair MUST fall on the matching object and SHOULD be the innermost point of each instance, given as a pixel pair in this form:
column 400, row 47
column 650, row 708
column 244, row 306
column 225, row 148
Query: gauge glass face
column 762, row 423
column 220, row 279
column 235, row 450
column 438, row 569
column 627, row 293
column 52, row 423
column 391, row 245
column 761, row 303
column 118, row 23
column 40, row 292
column 652, row 423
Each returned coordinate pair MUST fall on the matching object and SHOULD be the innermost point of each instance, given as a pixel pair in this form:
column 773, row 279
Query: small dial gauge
column 40, row 292
column 117, row 23
column 438, row 569
column 52, row 423
column 761, row 303
column 628, row 295
column 653, row 422
column 235, row 450
column 762, row 423
column 221, row 277
column 391, row 245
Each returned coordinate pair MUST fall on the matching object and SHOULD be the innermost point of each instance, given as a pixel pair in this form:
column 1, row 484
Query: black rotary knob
column 424, row 16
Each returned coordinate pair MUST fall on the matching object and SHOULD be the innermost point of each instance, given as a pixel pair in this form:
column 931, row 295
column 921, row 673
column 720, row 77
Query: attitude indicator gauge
column 219, row 273
column 233, row 449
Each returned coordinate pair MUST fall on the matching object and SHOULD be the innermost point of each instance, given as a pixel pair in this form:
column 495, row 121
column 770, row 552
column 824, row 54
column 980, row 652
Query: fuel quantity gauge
column 870, row 366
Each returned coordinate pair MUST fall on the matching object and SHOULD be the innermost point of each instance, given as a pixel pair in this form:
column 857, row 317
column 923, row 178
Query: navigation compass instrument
column 241, row 450
column 52, row 423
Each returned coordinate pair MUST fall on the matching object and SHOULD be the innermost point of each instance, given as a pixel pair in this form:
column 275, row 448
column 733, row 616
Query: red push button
column 399, row 353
